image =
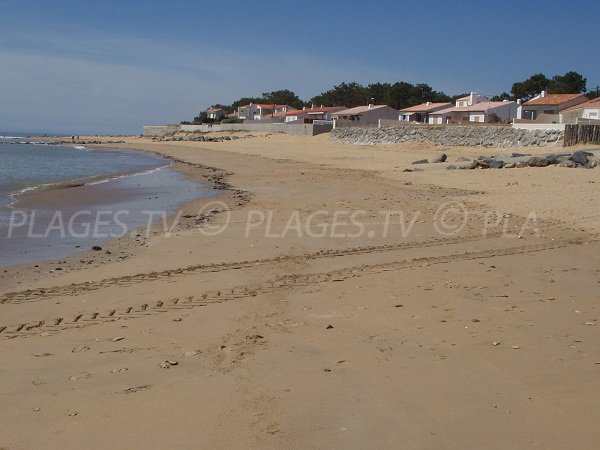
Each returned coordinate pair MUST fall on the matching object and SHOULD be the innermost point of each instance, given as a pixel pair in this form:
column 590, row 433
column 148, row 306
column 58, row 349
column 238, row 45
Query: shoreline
column 34, row 198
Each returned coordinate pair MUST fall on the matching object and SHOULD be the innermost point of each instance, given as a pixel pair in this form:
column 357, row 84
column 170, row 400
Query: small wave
column 77, row 183
column 118, row 177
column 80, row 147
column 12, row 137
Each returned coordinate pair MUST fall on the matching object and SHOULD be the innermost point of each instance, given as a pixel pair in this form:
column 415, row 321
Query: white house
column 475, row 108
column 261, row 111
column 215, row 113
column 363, row 116
column 420, row 113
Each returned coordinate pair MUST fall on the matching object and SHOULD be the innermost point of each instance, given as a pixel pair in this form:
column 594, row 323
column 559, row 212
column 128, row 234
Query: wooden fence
column 581, row 134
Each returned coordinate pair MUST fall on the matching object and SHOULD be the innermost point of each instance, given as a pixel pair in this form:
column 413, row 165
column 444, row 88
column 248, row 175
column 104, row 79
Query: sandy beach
column 454, row 309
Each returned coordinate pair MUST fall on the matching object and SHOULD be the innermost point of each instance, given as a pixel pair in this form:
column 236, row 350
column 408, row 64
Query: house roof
column 214, row 110
column 358, row 110
column 595, row 103
column 468, row 97
column 424, row 107
column 553, row 100
column 320, row 110
column 483, row 106
column 264, row 105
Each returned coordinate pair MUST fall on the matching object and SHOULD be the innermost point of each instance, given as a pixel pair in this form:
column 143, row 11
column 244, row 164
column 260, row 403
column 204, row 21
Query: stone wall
column 297, row 129
column 159, row 130
column 487, row 136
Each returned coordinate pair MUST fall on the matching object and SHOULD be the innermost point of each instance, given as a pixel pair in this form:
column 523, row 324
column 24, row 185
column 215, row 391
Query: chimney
column 428, row 103
column 543, row 94
column 370, row 105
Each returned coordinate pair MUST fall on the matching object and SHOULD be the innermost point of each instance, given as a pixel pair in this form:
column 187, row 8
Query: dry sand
column 417, row 339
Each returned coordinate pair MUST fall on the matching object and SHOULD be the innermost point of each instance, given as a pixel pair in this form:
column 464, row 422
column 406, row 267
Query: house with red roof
column 475, row 108
column 547, row 107
column 215, row 113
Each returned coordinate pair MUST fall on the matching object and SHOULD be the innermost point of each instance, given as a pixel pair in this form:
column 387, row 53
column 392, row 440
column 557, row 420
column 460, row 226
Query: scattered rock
column 568, row 163
column 117, row 339
column 421, row 161
column 580, row 157
column 496, row 343
column 131, row 390
column 462, row 159
column 439, row 159
column 168, row 364
column 97, row 248
column 329, row 327
column 537, row 161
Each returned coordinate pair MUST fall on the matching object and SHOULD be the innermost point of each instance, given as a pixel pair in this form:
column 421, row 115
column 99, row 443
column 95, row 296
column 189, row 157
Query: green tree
column 529, row 88
column 501, row 97
column 282, row 97
column 344, row 94
column 569, row 83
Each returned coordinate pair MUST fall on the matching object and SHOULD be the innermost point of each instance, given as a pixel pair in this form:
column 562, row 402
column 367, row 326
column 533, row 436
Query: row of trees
column 569, row 83
column 402, row 94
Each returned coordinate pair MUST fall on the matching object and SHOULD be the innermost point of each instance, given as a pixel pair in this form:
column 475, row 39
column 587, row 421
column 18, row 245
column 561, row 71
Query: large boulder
column 580, row 157
column 537, row 161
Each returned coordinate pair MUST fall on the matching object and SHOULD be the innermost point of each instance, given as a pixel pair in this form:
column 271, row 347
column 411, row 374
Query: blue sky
column 111, row 66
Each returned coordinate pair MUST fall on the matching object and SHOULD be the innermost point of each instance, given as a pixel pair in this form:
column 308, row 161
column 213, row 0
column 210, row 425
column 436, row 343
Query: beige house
column 364, row 116
column 475, row 108
column 547, row 107
column 420, row 113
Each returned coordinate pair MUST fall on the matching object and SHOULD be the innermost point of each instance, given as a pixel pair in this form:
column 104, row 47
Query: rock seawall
column 486, row 136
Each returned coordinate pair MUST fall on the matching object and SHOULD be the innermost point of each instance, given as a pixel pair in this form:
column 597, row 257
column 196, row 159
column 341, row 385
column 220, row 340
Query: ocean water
column 107, row 180
column 30, row 166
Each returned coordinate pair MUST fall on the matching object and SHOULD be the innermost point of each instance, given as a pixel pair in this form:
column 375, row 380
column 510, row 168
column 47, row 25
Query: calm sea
column 130, row 180
column 29, row 166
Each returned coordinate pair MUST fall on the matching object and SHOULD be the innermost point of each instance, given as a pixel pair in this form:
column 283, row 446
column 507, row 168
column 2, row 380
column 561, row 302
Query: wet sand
column 426, row 337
